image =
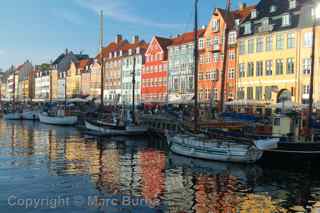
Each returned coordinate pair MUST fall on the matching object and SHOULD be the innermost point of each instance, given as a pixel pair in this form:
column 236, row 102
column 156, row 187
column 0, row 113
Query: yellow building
column 54, row 84
column 274, row 54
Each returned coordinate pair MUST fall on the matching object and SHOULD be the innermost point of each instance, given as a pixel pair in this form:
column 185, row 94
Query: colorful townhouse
column 274, row 53
column 59, row 69
column 212, row 54
column 130, row 52
column 85, row 72
column 154, row 77
column 42, row 83
column 181, row 68
column 74, row 77
column 25, row 83
column 95, row 79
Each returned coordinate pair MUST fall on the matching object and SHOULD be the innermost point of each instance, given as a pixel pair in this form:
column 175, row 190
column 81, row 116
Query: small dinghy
column 30, row 115
column 59, row 119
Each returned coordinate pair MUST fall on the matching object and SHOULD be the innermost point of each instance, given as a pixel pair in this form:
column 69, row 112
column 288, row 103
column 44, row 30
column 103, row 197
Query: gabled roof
column 83, row 63
column 186, row 38
column 164, row 42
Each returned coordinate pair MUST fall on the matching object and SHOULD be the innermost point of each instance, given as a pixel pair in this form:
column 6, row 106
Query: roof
column 243, row 13
column 163, row 42
column 83, row 63
column 186, row 38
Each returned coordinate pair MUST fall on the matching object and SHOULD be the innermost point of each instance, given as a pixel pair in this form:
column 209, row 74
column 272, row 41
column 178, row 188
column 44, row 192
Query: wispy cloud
column 68, row 15
column 119, row 10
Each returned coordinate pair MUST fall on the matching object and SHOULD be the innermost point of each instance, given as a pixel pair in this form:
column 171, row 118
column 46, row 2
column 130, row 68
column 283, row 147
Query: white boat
column 200, row 146
column 58, row 119
column 112, row 130
column 30, row 115
column 12, row 116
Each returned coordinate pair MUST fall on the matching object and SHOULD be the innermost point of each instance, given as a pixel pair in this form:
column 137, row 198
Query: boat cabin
column 284, row 125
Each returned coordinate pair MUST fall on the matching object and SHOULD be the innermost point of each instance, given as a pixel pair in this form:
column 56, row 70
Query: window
column 269, row 67
column 292, row 4
column 291, row 40
column 208, row 58
column 242, row 47
column 307, row 39
column 268, row 93
column 242, row 72
column 306, row 89
column 237, row 22
column 216, row 43
column 240, row 93
column 215, row 75
column 250, row 69
column 201, row 46
column 279, row 41
column 285, row 20
column 208, row 42
column 215, row 25
column 247, row 28
column 232, row 55
column 279, row 66
column 269, row 43
column 273, row 9
column 201, row 59
column 306, row 66
column 231, row 74
column 276, row 122
column 259, row 44
column 215, row 57
column 290, row 66
column 254, row 14
column 249, row 93
column 259, row 68
column 258, row 93
column 232, row 37
column 250, row 46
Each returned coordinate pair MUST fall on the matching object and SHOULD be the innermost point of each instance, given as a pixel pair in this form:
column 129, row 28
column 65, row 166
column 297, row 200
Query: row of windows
column 261, row 68
column 155, row 68
column 155, row 57
column 264, row 44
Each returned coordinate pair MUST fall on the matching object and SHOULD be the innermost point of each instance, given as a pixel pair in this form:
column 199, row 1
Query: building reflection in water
column 173, row 183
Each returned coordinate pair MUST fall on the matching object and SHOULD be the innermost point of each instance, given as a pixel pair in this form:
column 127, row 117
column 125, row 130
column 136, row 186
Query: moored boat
column 30, row 115
column 12, row 116
column 227, row 150
column 62, row 120
column 114, row 130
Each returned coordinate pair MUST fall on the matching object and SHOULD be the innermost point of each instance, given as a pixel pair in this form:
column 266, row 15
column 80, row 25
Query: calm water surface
column 57, row 169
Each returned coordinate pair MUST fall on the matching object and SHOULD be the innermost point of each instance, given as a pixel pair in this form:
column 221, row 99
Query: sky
column 40, row 30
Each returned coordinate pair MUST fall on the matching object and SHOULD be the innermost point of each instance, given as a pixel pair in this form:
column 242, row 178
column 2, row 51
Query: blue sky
column 39, row 30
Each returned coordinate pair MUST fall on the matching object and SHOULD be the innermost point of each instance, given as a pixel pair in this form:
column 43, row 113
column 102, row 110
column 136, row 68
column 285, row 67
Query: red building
column 155, row 72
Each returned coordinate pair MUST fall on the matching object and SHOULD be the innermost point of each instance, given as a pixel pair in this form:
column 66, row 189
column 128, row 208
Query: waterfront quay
column 58, row 169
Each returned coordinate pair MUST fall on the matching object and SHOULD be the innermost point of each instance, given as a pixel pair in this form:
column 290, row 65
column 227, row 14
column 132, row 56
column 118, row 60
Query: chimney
column 242, row 6
column 135, row 39
column 67, row 51
column 118, row 39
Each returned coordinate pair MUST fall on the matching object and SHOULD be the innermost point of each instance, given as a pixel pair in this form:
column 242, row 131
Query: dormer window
column 273, row 9
column 265, row 22
column 130, row 51
column 285, row 20
column 215, row 25
column 237, row 22
column 254, row 14
column 292, row 4
column 247, row 28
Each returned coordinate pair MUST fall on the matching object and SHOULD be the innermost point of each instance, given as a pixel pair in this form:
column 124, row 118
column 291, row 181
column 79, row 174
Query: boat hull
column 56, row 120
column 30, row 115
column 111, row 131
column 12, row 116
column 216, row 150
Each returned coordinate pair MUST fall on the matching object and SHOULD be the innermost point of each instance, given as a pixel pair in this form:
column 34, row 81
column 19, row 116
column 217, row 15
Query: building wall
column 85, row 83
column 95, row 83
column 73, row 81
column 54, row 84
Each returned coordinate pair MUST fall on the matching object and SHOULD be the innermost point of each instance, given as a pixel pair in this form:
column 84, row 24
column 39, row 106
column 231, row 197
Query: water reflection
column 41, row 160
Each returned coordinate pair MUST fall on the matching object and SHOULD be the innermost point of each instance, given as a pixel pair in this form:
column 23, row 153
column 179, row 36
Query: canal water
column 57, row 169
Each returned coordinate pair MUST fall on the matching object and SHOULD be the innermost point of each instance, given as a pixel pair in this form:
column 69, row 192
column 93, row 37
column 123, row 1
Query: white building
column 42, row 84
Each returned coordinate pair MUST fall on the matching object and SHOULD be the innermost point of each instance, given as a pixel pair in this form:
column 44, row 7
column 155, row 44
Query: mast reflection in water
column 39, row 161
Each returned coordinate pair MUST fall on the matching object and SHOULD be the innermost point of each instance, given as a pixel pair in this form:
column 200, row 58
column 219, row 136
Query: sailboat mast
column 195, row 55
column 101, row 59
column 133, row 89
column 225, row 55
column 14, row 90
column 50, row 85
column 65, row 89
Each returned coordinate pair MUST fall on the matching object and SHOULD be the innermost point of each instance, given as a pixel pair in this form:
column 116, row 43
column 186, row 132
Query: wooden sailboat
column 60, row 117
column 13, row 114
column 201, row 145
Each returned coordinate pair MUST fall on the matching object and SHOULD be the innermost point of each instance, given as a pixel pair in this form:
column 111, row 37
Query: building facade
column 181, row 68
column 42, row 83
column 95, row 79
column 132, row 51
column 25, row 82
column 274, row 53
column 154, row 77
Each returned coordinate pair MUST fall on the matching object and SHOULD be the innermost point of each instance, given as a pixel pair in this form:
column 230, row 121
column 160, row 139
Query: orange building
column 211, row 57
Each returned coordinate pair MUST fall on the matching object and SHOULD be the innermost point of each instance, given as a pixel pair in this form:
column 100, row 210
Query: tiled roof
column 186, row 38
column 164, row 42
column 242, row 14
column 83, row 63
